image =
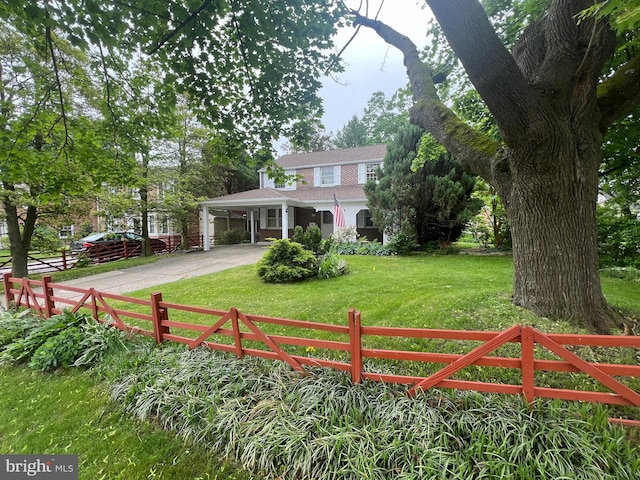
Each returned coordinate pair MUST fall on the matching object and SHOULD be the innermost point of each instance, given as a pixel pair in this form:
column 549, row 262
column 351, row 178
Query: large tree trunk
column 553, row 228
column 552, row 119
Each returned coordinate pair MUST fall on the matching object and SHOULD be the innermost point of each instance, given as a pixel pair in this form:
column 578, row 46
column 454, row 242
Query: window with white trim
column 289, row 184
column 159, row 224
column 368, row 171
column 274, row 218
column 66, row 231
column 372, row 171
column 327, row 176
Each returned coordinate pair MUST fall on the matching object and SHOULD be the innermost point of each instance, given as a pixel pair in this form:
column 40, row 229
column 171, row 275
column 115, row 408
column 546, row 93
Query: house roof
column 304, row 197
column 333, row 157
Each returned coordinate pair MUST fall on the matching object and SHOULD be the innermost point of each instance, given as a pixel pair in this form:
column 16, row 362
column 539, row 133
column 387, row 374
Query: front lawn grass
column 451, row 292
column 69, row 412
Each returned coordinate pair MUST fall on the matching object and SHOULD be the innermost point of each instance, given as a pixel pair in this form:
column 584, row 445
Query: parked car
column 106, row 246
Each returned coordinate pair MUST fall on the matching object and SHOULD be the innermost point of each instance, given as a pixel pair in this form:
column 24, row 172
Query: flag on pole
column 338, row 214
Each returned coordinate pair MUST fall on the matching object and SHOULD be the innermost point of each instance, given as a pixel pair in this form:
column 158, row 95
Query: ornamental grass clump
column 284, row 425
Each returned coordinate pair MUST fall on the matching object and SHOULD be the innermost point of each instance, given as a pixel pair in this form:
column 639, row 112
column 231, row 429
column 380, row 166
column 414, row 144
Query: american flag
column 338, row 214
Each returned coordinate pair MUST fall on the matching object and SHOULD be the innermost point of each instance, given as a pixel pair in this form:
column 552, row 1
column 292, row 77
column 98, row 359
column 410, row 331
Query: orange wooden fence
column 244, row 333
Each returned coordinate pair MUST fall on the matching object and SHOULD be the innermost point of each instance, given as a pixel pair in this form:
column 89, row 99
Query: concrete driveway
column 170, row 269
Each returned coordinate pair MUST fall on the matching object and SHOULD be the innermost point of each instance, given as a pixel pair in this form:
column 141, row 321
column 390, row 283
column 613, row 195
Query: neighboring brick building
column 272, row 211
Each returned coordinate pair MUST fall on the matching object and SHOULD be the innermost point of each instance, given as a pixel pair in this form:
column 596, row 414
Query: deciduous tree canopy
column 252, row 69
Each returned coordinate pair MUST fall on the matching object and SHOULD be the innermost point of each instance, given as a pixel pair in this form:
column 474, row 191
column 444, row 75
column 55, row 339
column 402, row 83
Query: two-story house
column 273, row 210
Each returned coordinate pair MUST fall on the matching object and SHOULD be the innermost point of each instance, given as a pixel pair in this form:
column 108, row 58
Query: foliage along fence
column 245, row 332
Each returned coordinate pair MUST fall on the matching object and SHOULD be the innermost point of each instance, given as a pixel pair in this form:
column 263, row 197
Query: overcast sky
column 371, row 65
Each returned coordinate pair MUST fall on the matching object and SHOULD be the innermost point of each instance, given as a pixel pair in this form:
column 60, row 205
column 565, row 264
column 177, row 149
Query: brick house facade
column 272, row 211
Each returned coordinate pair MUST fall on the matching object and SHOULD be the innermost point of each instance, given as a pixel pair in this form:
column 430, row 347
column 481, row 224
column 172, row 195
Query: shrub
column 403, row 242
column 58, row 351
column 24, row 348
column 98, row 340
column 298, row 234
column 311, row 239
column 618, row 238
column 625, row 273
column 345, row 235
column 61, row 341
column 284, row 425
column 82, row 260
column 362, row 248
column 45, row 240
column 286, row 262
column 230, row 237
column 331, row 266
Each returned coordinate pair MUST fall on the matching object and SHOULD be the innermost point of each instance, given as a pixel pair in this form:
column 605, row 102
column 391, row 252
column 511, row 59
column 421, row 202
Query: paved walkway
column 170, row 269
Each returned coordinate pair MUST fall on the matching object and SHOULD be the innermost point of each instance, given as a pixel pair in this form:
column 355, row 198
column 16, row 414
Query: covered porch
column 272, row 213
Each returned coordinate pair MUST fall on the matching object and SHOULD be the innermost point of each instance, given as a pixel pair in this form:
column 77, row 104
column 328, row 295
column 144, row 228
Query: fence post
column 355, row 342
column 49, row 304
column 236, row 332
column 158, row 314
column 63, row 251
column 8, row 294
column 528, row 365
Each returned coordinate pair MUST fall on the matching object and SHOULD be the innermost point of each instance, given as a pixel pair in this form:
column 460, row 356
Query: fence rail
column 41, row 264
column 241, row 334
column 38, row 263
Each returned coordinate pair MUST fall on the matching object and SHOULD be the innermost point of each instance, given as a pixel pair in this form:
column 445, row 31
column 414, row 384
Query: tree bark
column 544, row 99
column 184, row 235
column 20, row 241
column 144, row 207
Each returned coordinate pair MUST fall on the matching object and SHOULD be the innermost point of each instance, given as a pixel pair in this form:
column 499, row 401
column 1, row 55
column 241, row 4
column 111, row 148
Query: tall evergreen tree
column 422, row 191
column 354, row 134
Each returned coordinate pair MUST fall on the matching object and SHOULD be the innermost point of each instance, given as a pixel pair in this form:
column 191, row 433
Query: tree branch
column 472, row 148
column 180, row 26
column 490, row 67
column 619, row 95
column 54, row 62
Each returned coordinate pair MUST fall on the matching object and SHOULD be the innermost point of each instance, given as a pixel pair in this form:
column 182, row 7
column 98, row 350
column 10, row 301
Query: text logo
column 45, row 467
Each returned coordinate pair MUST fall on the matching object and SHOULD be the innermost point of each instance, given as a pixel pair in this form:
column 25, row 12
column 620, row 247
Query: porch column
column 205, row 227
column 351, row 216
column 285, row 220
column 253, row 227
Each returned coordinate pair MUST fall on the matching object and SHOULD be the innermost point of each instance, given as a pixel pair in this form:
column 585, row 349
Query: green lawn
column 454, row 292
column 70, row 413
